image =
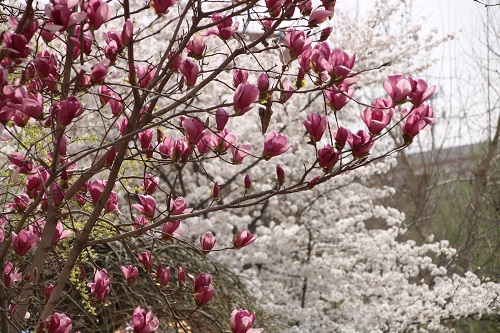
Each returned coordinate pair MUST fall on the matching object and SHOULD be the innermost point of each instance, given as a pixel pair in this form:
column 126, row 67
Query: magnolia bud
column 325, row 33
column 280, row 174
column 181, row 278
column 215, row 192
column 313, row 182
column 247, row 182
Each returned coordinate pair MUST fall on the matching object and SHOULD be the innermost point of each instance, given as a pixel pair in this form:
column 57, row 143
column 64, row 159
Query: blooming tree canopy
column 123, row 120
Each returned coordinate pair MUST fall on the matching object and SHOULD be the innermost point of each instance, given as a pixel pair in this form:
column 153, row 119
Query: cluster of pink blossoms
column 25, row 99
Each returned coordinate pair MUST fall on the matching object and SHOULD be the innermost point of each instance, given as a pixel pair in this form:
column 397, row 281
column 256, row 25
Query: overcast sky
column 462, row 95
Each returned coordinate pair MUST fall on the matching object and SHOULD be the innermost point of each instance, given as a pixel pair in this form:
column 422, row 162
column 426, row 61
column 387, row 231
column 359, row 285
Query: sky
column 461, row 85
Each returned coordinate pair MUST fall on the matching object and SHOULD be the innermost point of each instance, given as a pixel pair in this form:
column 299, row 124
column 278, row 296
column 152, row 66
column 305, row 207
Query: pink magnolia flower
column 131, row 273
column 86, row 39
column 377, row 119
column 15, row 45
column 100, row 287
column 224, row 140
column 239, row 76
column 340, row 137
column 122, row 125
column 240, row 152
column 28, row 29
column 305, row 7
column 37, row 227
column 274, row 145
column 181, row 150
column 179, row 206
column 207, row 142
column 204, row 296
column 146, row 260
column 144, row 322
column 193, row 128
column 162, row 6
column 127, row 32
column 242, row 321
column 202, row 280
column 150, row 184
column 329, row 4
column 140, row 223
column 338, row 96
column 96, row 188
column 221, row 118
column 398, row 88
column 112, row 203
column 145, row 74
column 111, row 156
column 244, row 238
column 20, row 161
column 67, row 110
column 57, row 323
column 417, row 120
column 83, row 80
column 6, row 114
column 23, row 242
column 419, row 91
column 207, row 242
column 342, row 65
column 361, row 143
column 60, row 234
column 244, row 96
column 175, row 63
column 169, row 230
column 145, row 138
column 45, row 32
column 111, row 36
column 318, row 16
column 47, row 292
column 196, row 47
column 287, row 90
column 105, row 93
column 274, row 7
column 31, row 105
column 9, row 274
column 99, row 72
column 190, row 70
column 181, row 278
column 46, row 64
column 114, row 44
column 166, row 147
column 263, row 82
column 147, row 206
column 315, row 125
column 98, row 12
column 320, row 58
column 225, row 29
column 116, row 104
column 327, row 157
column 20, row 119
column 111, row 51
column 61, row 17
column 163, row 274
column 297, row 42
